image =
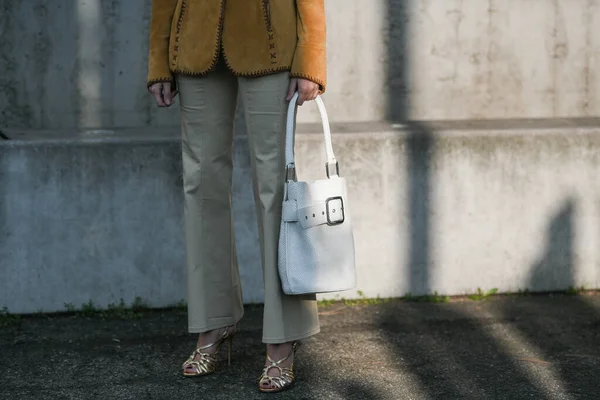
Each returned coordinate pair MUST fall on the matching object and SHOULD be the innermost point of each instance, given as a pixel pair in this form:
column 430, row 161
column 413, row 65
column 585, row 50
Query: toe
column 265, row 383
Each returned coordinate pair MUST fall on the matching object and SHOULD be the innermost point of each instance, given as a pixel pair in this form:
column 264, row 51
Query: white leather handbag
column 316, row 242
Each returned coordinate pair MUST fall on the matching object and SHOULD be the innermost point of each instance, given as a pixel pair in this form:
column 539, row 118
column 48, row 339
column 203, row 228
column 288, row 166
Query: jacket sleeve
column 310, row 58
column 160, row 32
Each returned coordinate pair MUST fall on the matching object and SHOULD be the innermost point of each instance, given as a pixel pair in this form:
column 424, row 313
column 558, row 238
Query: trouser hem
column 291, row 338
column 221, row 323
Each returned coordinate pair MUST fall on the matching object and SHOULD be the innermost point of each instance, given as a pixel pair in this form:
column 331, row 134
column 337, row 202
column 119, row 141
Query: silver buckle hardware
column 337, row 169
column 335, row 210
column 290, row 173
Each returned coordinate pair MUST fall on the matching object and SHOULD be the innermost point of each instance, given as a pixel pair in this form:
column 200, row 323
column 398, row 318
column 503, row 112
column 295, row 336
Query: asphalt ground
column 505, row 347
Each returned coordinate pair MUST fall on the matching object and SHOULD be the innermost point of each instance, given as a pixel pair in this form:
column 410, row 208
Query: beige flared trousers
column 208, row 105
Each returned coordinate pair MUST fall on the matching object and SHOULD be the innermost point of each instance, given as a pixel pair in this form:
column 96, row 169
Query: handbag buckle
column 290, row 173
column 337, row 169
column 334, row 207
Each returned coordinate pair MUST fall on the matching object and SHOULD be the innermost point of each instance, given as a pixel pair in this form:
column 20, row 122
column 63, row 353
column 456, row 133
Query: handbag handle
column 290, row 133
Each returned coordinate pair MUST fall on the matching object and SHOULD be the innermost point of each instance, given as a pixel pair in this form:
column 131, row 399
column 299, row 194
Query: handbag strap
column 290, row 136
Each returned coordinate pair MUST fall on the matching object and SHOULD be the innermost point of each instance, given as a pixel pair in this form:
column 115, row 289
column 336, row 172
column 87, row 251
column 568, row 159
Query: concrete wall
column 82, row 63
column 448, row 208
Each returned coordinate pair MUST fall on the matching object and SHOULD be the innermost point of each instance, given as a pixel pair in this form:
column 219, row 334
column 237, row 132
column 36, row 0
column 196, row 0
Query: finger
column 301, row 97
column 157, row 94
column 303, row 93
column 292, row 89
column 173, row 95
column 167, row 93
column 314, row 93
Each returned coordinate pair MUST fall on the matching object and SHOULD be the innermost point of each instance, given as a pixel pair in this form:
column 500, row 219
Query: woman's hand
column 163, row 94
column 307, row 90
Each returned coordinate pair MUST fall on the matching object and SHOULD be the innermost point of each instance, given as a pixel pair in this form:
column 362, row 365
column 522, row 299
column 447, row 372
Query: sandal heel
column 207, row 362
column 229, row 344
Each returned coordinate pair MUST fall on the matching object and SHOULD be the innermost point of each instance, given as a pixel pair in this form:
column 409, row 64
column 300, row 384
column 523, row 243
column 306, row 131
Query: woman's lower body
column 208, row 105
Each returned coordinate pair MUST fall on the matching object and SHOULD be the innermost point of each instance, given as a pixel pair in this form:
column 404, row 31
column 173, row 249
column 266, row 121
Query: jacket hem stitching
column 249, row 74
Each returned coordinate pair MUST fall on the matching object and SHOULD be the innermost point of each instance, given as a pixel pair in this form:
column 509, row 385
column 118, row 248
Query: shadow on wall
column 420, row 142
column 556, row 267
column 420, row 145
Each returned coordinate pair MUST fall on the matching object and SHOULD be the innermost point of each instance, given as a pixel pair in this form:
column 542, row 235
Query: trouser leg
column 286, row 318
column 207, row 117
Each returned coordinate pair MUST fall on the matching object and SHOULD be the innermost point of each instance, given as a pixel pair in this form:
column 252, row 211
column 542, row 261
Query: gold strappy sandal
column 286, row 374
column 207, row 363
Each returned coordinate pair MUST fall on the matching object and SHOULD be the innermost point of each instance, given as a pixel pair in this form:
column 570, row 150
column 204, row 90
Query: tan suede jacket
column 256, row 37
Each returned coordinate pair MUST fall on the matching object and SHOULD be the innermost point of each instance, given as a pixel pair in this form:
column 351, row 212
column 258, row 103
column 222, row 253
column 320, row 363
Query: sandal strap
column 218, row 341
column 204, row 358
column 286, row 377
column 276, row 363
column 282, row 370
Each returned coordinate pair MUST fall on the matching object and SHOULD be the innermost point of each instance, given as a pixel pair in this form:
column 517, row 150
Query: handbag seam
column 286, row 193
column 287, row 253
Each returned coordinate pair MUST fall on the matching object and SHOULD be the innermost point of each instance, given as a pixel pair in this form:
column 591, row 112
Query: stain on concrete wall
column 14, row 109
column 82, row 63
